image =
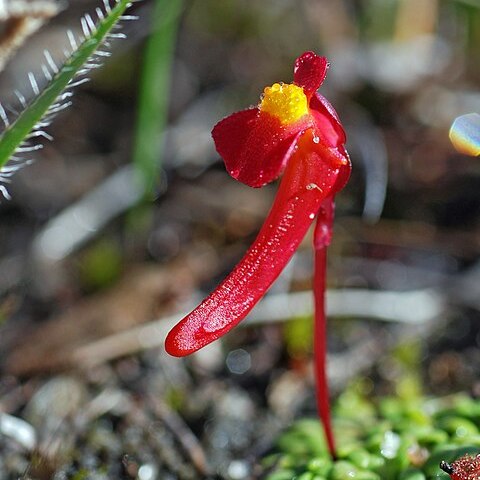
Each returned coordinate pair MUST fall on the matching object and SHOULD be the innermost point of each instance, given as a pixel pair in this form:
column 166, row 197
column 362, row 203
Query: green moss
column 390, row 439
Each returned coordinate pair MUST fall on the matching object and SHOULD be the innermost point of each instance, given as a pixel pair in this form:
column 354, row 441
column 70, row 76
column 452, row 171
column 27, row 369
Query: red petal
column 309, row 72
column 255, row 146
column 308, row 180
column 327, row 125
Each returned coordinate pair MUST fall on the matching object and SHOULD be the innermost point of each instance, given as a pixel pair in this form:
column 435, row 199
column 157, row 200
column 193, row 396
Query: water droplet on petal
column 313, row 186
column 316, row 139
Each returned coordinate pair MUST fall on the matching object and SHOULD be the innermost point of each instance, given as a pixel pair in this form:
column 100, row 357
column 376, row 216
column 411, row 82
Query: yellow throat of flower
column 287, row 102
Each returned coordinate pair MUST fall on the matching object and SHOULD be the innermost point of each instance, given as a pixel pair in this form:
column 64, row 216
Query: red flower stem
column 322, row 237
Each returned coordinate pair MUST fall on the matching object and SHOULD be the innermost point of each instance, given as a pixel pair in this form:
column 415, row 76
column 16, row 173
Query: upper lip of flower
column 256, row 144
column 297, row 132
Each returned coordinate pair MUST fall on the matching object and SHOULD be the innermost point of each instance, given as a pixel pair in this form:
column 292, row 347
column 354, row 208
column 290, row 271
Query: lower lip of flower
column 307, row 181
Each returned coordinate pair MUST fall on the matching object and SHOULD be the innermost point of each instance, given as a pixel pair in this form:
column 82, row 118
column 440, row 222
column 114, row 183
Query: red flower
column 294, row 131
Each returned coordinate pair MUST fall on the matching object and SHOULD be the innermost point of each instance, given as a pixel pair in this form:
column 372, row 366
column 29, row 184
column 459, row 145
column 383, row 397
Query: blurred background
column 128, row 218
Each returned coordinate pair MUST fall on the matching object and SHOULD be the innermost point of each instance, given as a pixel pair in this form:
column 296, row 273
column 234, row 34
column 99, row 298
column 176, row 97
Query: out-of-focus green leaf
column 154, row 91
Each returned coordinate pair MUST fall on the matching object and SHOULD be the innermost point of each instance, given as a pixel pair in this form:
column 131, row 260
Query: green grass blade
column 154, row 92
column 13, row 137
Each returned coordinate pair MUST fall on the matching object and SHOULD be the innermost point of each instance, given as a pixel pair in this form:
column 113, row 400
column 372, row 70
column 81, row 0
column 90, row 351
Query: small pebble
column 19, row 430
column 238, row 470
column 147, row 472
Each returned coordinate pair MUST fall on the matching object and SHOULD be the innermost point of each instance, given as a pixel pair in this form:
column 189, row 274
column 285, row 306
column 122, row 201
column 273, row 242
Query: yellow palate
column 287, row 102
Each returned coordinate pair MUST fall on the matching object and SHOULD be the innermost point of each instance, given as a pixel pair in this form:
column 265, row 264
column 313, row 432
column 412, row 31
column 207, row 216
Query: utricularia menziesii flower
column 293, row 131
